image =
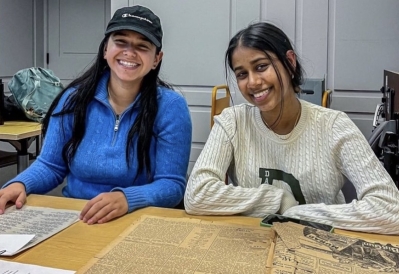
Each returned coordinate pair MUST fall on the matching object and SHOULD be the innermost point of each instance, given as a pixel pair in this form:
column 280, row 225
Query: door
column 75, row 30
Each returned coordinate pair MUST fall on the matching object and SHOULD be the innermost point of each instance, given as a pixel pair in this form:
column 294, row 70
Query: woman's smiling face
column 258, row 79
column 130, row 56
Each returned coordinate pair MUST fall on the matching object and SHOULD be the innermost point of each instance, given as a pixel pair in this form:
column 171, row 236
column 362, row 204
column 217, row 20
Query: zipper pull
column 116, row 127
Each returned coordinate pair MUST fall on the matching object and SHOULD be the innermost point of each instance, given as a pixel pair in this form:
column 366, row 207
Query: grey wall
column 74, row 31
column 16, row 36
column 22, row 31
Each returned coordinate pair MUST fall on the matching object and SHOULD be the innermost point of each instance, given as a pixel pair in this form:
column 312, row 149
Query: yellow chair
column 218, row 105
column 326, row 99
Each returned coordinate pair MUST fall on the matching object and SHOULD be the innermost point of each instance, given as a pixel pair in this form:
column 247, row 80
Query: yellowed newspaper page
column 184, row 245
column 323, row 252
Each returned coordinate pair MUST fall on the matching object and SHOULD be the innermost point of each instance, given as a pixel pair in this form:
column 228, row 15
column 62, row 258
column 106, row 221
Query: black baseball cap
column 139, row 19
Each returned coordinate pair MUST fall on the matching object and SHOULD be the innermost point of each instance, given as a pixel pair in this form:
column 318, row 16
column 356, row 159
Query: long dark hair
column 78, row 101
column 267, row 38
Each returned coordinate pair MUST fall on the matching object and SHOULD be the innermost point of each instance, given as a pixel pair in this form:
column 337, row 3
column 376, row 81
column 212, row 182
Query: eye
column 262, row 67
column 241, row 75
column 143, row 47
column 120, row 42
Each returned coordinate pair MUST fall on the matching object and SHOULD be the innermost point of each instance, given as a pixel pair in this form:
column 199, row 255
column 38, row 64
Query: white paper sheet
column 18, row 268
column 11, row 243
column 43, row 222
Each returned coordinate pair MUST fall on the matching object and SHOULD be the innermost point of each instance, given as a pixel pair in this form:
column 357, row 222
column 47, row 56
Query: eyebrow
column 252, row 62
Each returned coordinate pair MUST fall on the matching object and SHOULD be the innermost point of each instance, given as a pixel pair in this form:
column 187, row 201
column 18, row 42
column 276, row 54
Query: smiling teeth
column 128, row 64
column 260, row 94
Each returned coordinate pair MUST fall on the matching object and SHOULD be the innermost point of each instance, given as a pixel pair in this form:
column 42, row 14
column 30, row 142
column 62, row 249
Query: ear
column 157, row 59
column 105, row 51
column 291, row 56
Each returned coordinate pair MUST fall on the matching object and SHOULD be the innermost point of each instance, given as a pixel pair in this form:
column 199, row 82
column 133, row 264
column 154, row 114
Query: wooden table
column 73, row 247
column 20, row 134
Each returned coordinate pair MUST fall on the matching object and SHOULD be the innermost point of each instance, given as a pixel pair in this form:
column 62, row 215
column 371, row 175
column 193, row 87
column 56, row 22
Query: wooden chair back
column 218, row 104
column 326, row 99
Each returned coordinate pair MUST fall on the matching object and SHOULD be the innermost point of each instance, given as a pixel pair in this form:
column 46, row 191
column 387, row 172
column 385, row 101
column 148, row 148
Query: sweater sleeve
column 49, row 169
column 173, row 145
column 377, row 207
column 207, row 193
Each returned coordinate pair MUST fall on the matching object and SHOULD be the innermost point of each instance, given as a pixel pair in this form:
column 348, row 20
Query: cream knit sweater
column 324, row 146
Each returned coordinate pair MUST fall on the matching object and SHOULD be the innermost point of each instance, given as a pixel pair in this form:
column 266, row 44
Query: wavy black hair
column 79, row 100
column 269, row 39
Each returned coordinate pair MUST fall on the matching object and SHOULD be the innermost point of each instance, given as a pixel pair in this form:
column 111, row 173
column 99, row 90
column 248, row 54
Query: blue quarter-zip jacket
column 99, row 164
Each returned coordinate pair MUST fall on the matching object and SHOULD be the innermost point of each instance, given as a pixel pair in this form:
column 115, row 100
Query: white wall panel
column 244, row 12
column 16, row 36
column 39, row 47
column 75, row 30
column 359, row 105
column 344, row 101
column 199, row 100
column 366, row 42
column 117, row 4
column 280, row 13
column 311, row 36
column 195, row 37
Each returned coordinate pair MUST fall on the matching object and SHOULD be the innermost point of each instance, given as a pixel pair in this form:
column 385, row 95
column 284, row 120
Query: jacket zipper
column 116, row 127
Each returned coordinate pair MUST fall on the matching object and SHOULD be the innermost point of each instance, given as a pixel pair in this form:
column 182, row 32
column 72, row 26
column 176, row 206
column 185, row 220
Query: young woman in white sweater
column 285, row 155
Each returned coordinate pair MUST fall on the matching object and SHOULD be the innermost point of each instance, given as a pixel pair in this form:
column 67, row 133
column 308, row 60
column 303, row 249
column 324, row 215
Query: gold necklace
column 289, row 134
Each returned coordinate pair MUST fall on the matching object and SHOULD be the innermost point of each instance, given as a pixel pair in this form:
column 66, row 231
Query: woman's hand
column 104, row 208
column 15, row 193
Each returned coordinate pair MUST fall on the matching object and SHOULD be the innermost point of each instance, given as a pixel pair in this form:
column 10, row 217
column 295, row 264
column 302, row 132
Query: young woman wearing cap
column 118, row 133
column 284, row 154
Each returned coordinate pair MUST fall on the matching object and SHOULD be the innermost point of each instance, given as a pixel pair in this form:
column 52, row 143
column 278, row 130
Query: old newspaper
column 183, row 245
column 300, row 249
column 43, row 222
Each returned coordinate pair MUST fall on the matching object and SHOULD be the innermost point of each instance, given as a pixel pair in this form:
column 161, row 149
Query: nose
column 129, row 51
column 254, row 81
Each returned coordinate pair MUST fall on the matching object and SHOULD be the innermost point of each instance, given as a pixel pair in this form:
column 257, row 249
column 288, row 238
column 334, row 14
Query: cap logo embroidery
column 135, row 16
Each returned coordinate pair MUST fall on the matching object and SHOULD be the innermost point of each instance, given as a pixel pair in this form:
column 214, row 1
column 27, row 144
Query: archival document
column 42, row 222
column 182, row 245
column 300, row 249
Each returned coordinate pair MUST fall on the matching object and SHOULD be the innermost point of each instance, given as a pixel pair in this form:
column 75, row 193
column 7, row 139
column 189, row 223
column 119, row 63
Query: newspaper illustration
column 323, row 252
column 42, row 222
column 183, row 245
